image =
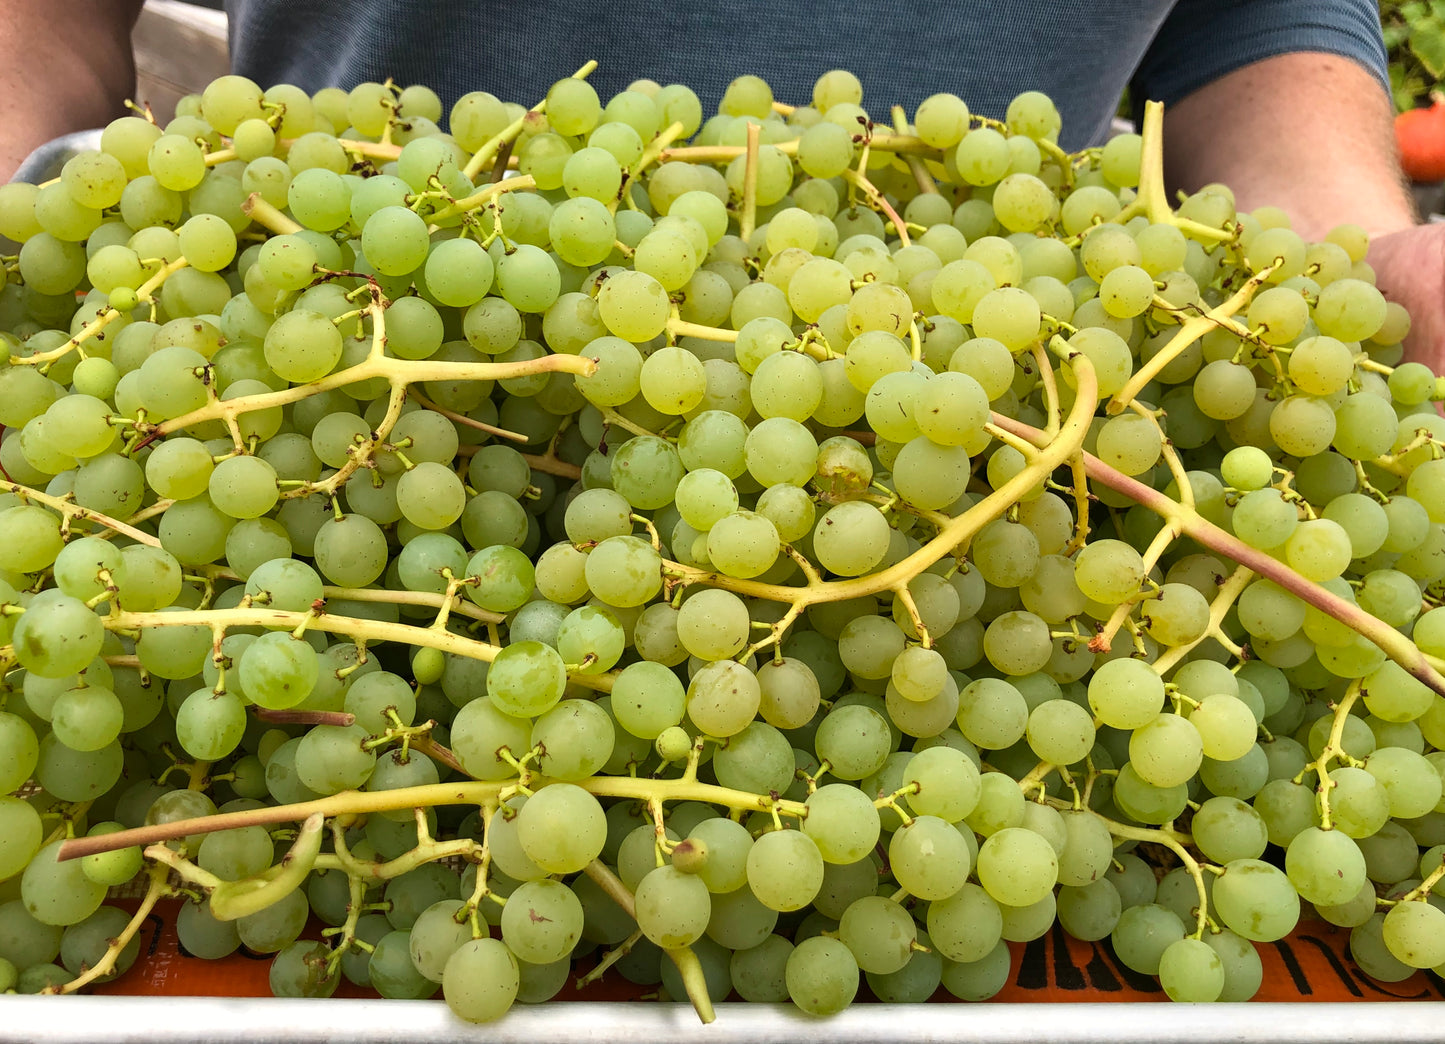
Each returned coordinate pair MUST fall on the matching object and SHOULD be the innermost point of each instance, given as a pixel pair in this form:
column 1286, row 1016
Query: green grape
column 561, row 828
column 527, row 278
column 1060, row 731
column 87, row 718
column 821, row 976
column 526, row 679
column 784, row 870
column 1017, row 643
column 480, row 979
column 541, row 922
column 880, row 934
column 965, row 926
column 1326, row 867
column 673, row 907
column 842, row 823
column 480, row 731
column 350, row 551
column 1126, row 693
column 303, row 969
column 373, row 698
column 23, row 835
column 624, row 571
column 1017, row 866
column 81, row 425
column 176, row 162
column 851, row 538
column 57, row 635
column 243, row 487
column 434, row 937
column 85, row 944
column 633, row 306
column 394, row 240
column 331, row 758
column 1349, row 309
column 577, row 739
column 1022, row 202
column 646, row 470
column 647, row 698
column 238, row 853
column 19, row 751
column 458, row 272
column 724, row 870
column 930, row 858
column 1256, row 900
column 1190, row 970
column 278, row 670
column 992, row 713
column 54, row 893
column 302, row 345
column 1226, row 829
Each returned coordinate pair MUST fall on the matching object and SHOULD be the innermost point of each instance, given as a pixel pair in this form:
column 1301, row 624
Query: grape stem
column 483, row 859
column 610, row 958
column 1191, row 330
column 1334, row 748
column 649, row 156
column 688, row 966
column 1224, row 598
column 418, row 598
column 434, row 750
column 1050, row 385
column 462, row 418
column 468, row 792
column 904, row 144
column 369, row 149
column 266, row 215
column 747, row 219
column 1050, row 455
column 71, row 511
column 915, row 163
column 355, row 902
column 877, row 201
column 1425, row 887
column 550, row 463
column 371, row 630
column 231, row 900
column 159, row 887
column 305, row 717
column 1190, row 523
column 482, row 195
column 145, row 292
column 488, row 149
column 677, row 327
column 397, row 372
column 1166, row 450
column 427, row 850
column 1175, row 842
column 1153, row 198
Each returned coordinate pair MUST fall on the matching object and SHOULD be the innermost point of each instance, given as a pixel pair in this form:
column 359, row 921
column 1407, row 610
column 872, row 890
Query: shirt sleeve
column 1202, row 40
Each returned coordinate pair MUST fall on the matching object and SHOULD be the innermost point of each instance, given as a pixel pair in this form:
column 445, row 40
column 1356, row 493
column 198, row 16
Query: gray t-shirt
column 1082, row 55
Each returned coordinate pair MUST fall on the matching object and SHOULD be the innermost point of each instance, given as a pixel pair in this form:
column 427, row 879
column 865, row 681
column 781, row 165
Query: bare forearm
column 64, row 66
column 1310, row 133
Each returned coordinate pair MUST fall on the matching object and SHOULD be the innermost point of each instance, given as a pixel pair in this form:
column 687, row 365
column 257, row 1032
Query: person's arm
column 1313, row 134
column 65, row 65
column 1310, row 133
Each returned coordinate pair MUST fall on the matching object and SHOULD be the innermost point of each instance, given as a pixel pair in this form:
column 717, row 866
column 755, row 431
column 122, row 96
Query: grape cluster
column 762, row 553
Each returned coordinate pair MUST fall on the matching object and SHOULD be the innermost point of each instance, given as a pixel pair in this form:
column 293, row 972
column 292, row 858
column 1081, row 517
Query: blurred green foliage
column 1415, row 41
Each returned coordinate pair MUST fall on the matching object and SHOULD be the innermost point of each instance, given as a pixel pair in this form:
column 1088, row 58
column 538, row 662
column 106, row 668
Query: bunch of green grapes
column 807, row 566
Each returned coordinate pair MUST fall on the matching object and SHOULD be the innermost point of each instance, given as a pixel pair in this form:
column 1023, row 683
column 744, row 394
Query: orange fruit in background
column 1421, row 136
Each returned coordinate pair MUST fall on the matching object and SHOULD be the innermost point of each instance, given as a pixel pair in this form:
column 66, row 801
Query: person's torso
column 1082, row 55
